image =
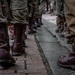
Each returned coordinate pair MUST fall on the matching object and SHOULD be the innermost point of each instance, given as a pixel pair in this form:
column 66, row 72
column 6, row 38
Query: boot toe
column 66, row 62
column 6, row 59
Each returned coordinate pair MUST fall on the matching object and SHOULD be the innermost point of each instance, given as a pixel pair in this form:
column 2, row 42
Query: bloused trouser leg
column 68, row 61
column 19, row 13
column 60, row 15
column 5, row 57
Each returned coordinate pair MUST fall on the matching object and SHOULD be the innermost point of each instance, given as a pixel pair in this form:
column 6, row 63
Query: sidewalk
column 52, row 46
column 28, row 64
column 51, row 27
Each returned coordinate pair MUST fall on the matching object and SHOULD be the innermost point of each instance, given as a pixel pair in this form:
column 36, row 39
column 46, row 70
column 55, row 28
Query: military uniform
column 61, row 18
column 37, row 13
column 5, row 56
column 19, row 11
column 31, row 11
column 2, row 17
column 60, row 15
column 68, row 61
column 41, row 10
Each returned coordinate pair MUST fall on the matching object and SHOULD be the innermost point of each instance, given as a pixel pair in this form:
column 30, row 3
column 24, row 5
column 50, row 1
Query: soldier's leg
column 41, row 10
column 31, row 29
column 40, row 19
column 68, row 61
column 19, row 21
column 60, row 15
column 31, row 9
column 18, row 40
column 38, row 22
column 66, row 30
column 36, row 14
column 5, row 57
column 37, row 17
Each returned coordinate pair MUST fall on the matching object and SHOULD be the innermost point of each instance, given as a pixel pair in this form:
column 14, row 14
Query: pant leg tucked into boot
column 18, row 43
column 68, row 61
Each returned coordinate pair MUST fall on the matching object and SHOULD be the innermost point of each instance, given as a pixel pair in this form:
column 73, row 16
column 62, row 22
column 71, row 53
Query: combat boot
column 60, row 24
column 68, row 61
column 5, row 57
column 17, row 48
column 38, row 23
column 31, row 30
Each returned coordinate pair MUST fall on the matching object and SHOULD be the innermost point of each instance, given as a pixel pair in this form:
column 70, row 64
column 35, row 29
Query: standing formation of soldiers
column 22, row 13
column 19, row 14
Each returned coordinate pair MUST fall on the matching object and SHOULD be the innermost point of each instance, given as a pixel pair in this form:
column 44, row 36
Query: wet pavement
column 51, row 45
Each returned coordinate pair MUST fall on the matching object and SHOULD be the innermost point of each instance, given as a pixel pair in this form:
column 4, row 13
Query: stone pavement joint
column 44, row 59
column 28, row 64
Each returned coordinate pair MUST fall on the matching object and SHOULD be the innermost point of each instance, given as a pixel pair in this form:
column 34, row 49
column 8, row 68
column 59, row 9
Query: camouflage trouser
column 41, row 8
column 31, row 8
column 19, row 11
column 60, row 14
column 2, row 17
column 36, row 14
column 71, row 17
column 60, row 7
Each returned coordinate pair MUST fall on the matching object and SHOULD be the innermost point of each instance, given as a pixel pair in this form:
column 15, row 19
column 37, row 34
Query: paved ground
column 51, row 45
column 50, row 26
column 41, row 54
column 28, row 64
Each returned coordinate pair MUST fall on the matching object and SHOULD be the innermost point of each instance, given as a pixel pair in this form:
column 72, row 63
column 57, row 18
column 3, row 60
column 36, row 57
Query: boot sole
column 5, row 64
column 67, row 66
column 17, row 54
